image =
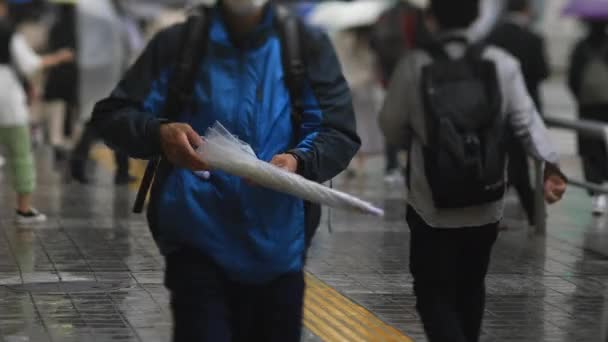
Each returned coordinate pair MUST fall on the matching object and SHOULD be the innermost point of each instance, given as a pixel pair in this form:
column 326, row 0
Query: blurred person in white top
column 18, row 61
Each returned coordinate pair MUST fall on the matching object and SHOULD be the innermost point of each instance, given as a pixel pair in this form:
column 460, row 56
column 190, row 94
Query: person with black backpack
column 450, row 103
column 588, row 82
column 234, row 251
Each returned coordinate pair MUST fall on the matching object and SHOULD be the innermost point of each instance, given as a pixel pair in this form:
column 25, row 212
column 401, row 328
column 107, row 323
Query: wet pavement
column 93, row 273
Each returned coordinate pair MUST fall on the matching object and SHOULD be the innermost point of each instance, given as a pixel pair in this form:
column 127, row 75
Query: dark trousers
column 449, row 268
column 593, row 150
column 391, row 153
column 83, row 147
column 209, row 307
column 519, row 178
column 68, row 120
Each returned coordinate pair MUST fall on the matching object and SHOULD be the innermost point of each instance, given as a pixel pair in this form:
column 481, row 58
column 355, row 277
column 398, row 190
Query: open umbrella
column 588, row 9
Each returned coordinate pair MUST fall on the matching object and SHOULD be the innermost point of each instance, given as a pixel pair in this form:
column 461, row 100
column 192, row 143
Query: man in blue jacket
column 234, row 252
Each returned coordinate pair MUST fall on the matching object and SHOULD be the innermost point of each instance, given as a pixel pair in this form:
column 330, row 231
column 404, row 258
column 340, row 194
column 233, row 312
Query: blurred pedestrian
column 514, row 34
column 14, row 129
column 129, row 46
column 588, row 81
column 450, row 102
column 359, row 67
column 396, row 32
column 234, row 251
column 61, row 89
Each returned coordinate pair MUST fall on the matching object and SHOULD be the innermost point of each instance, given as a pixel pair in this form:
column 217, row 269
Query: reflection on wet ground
column 93, row 273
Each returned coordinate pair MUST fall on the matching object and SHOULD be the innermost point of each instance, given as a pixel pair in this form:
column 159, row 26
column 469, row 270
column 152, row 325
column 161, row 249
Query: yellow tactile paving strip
column 328, row 314
column 333, row 317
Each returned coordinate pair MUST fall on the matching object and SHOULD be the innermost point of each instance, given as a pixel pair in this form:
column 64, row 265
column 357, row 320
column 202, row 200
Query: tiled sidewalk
column 92, row 273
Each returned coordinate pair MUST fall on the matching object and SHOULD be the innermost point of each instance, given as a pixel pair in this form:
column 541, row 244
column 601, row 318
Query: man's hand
column 555, row 187
column 286, row 162
column 179, row 141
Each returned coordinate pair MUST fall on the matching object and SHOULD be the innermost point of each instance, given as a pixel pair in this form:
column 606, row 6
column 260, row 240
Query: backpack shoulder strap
column 434, row 49
column 181, row 86
column 192, row 50
column 290, row 28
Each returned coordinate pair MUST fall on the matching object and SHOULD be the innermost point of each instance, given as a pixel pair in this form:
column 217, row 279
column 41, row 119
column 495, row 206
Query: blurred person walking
column 588, row 81
column 396, row 32
column 17, row 58
column 514, row 35
column 129, row 46
column 62, row 83
column 234, row 251
column 360, row 69
column 450, row 102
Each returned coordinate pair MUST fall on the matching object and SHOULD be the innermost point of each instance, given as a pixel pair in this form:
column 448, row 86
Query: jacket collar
column 220, row 34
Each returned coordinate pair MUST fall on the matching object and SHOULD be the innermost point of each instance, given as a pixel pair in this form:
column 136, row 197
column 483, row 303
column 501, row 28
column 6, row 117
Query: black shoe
column 78, row 171
column 123, row 179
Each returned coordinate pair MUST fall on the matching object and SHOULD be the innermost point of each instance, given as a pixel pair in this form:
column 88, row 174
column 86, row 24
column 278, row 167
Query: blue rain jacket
column 252, row 233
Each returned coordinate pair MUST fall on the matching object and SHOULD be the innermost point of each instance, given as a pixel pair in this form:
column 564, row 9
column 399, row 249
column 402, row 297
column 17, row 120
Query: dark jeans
column 83, row 147
column 209, row 307
column 449, row 268
column 519, row 178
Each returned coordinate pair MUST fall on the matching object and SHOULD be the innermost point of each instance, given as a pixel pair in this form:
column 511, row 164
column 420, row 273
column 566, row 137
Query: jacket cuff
column 301, row 158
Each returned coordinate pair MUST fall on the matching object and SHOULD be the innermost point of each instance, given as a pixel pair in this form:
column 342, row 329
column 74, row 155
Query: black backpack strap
column 181, row 86
column 193, row 49
column 293, row 45
column 289, row 28
column 435, row 49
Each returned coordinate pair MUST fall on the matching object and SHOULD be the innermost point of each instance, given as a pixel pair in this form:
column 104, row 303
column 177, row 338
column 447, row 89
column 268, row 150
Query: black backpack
column 181, row 89
column 465, row 154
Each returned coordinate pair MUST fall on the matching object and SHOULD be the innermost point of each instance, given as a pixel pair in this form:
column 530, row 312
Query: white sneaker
column 393, row 177
column 599, row 204
column 34, row 216
column 2, row 161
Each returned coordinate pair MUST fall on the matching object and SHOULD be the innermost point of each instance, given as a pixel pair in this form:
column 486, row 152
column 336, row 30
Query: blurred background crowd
column 105, row 36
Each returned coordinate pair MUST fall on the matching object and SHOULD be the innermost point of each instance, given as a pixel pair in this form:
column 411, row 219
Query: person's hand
column 555, row 187
column 178, row 142
column 59, row 57
column 65, row 55
column 286, row 162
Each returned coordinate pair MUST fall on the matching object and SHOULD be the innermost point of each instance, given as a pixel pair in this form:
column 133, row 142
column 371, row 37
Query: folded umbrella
column 223, row 151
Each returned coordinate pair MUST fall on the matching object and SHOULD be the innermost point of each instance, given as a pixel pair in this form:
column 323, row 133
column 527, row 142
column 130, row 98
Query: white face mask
column 244, row 7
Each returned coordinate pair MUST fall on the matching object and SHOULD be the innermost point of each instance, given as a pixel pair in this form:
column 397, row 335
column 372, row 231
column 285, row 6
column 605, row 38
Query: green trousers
column 20, row 160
